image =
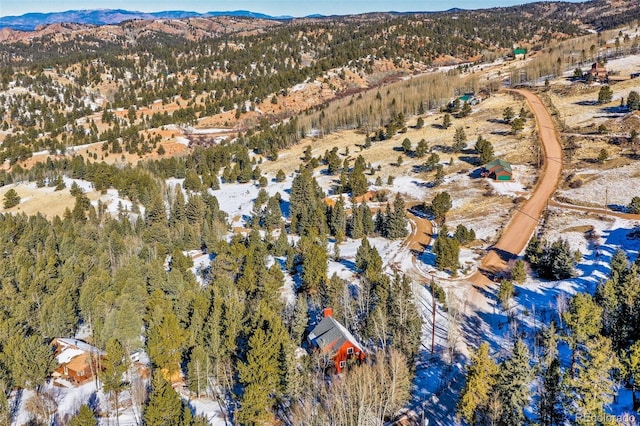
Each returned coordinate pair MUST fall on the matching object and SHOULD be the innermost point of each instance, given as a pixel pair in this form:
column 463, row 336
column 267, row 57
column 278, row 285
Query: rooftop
column 330, row 335
column 498, row 162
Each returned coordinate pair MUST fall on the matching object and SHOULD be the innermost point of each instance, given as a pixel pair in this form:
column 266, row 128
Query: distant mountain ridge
column 30, row 21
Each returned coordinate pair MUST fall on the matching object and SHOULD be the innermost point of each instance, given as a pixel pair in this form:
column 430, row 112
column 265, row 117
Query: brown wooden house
column 499, row 170
column 78, row 361
column 598, row 73
column 336, row 342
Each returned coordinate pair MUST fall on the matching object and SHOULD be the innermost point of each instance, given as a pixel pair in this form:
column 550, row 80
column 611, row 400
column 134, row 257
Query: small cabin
column 519, row 53
column 598, row 73
column 499, row 170
column 335, row 342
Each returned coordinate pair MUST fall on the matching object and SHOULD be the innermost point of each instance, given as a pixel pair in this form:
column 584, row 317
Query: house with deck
column 77, row 362
column 335, row 342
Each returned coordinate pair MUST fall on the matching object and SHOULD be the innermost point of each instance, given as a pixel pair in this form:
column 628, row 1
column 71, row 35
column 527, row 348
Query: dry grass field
column 485, row 120
column 45, row 200
column 478, row 203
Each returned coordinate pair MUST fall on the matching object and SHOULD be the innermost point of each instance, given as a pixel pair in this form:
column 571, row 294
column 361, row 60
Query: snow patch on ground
column 182, row 140
column 602, row 186
column 237, row 199
column 208, row 408
column 85, row 185
column 512, row 188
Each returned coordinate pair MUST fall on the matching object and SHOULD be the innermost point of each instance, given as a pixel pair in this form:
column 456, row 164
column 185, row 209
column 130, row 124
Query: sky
column 270, row 7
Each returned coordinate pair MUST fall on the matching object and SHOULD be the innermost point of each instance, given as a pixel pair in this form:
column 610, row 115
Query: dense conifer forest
column 125, row 280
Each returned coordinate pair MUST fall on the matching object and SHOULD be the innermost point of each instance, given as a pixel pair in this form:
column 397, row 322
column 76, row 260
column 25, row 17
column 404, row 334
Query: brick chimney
column 328, row 312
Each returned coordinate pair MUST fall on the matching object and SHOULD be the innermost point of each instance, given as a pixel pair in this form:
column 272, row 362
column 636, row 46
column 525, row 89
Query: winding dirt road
column 523, row 224
column 421, row 237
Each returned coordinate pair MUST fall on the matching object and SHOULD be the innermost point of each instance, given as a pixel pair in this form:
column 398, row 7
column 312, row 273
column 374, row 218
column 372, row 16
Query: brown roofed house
column 336, row 342
column 598, row 73
column 78, row 361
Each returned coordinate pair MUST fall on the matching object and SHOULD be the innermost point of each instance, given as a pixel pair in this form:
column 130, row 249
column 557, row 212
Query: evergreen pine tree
column 440, row 205
column 459, row 140
column 29, row 359
column 177, row 209
column 605, row 95
column 5, row 406
column 355, row 227
column 357, row 182
column 632, row 364
column 271, row 215
column 422, row 148
column 533, row 253
column 165, row 343
column 282, row 243
column 550, row 398
column 466, row 110
column 446, row 121
column 314, row 267
column 633, row 100
column 261, row 374
column 380, row 222
column 115, row 364
column 397, row 220
column 368, row 225
column 584, row 321
column 305, row 205
column 518, row 272
column 337, row 219
column 11, row 199
column 508, row 114
column 592, row 384
column 481, row 375
column 85, row 417
column 363, row 254
column 198, row 371
column 164, row 407
column 447, row 252
column 513, row 385
column 405, row 320
column 300, row 319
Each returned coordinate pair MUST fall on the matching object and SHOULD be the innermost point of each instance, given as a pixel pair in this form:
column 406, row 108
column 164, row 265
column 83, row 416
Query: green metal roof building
column 499, row 169
column 519, row 52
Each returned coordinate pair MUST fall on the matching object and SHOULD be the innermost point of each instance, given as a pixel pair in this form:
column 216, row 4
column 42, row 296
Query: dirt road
column 628, row 216
column 522, row 225
column 421, row 238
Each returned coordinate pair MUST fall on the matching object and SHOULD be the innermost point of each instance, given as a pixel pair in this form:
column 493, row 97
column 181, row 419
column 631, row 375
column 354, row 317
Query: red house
column 78, row 362
column 336, row 342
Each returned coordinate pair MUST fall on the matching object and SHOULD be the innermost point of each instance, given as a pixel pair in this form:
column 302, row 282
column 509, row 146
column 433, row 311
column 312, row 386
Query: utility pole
column 433, row 310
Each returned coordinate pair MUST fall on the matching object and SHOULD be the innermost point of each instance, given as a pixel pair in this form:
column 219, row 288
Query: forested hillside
column 207, row 222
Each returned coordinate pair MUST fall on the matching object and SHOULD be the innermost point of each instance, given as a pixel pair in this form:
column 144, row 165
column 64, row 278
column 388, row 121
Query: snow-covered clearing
column 536, row 303
column 615, row 187
column 237, row 199
column 68, row 401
